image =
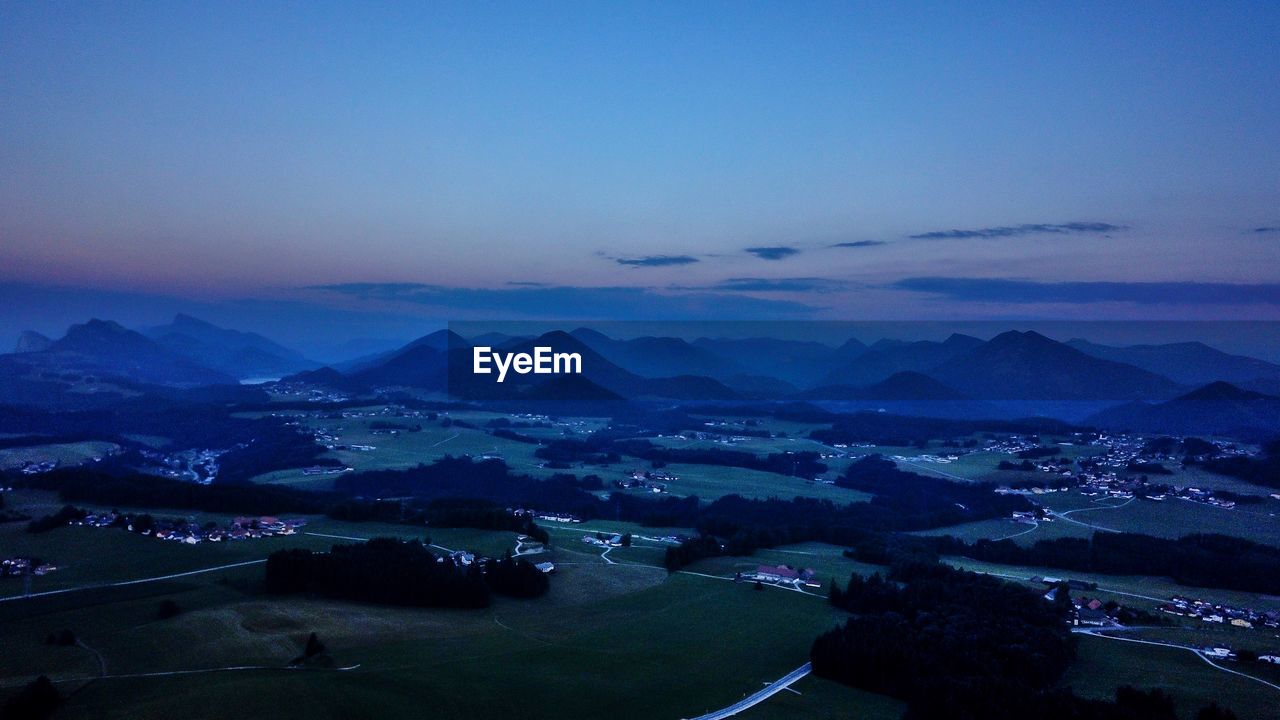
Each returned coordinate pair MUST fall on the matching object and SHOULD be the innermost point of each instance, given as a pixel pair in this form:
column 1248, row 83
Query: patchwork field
column 617, row 622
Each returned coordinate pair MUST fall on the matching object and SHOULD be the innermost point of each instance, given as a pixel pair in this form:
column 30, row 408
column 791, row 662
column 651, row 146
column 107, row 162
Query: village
column 1123, row 472
column 20, row 566
column 191, row 533
column 1221, row 614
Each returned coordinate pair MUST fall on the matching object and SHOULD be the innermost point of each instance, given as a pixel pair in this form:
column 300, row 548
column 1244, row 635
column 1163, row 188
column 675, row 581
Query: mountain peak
column 32, row 341
column 1222, row 391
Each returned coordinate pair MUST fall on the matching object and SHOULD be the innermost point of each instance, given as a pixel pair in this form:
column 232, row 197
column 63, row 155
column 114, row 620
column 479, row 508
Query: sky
column 368, row 169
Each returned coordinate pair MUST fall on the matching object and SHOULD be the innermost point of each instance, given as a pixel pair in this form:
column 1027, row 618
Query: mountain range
column 1140, row 386
column 239, row 354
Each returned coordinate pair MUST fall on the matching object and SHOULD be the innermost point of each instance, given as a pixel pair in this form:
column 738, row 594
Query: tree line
column 398, row 572
column 963, row 646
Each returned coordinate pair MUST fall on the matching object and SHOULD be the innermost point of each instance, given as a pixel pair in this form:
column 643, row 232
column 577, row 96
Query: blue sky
column 832, row 160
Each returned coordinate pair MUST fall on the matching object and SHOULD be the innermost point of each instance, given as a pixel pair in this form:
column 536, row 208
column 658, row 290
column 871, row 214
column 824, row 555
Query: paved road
column 123, row 583
column 1098, row 632
column 752, row 700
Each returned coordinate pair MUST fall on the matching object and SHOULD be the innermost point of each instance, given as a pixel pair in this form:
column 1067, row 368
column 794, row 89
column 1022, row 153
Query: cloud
column 572, row 302
column 657, row 260
column 777, row 252
column 1142, row 293
column 1093, row 228
column 860, row 244
column 1267, row 229
column 765, row 285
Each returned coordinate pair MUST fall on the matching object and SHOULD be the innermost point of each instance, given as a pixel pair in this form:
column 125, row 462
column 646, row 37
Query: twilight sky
column 389, row 165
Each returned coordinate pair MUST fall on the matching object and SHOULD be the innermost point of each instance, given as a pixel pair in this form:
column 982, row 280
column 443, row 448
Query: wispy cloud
column 776, row 252
column 1267, row 229
column 860, row 244
column 607, row 303
column 657, row 260
column 1094, row 228
column 767, row 285
column 1019, row 292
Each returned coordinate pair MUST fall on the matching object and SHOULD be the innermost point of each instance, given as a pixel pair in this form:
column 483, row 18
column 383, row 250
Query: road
column 1063, row 515
column 1098, row 633
column 124, row 583
column 752, row 700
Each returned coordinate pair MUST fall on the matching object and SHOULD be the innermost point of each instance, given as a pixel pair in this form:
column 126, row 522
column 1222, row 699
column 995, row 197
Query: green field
column 1126, row 589
column 61, row 453
column 1102, row 665
column 814, row 698
column 626, row 632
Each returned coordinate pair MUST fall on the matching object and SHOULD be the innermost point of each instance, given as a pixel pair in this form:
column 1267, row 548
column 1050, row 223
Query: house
column 1091, row 616
column 546, row 567
column 776, row 573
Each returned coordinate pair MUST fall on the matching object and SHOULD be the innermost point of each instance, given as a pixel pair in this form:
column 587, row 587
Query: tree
column 626, row 540
column 36, row 701
column 314, row 646
column 1213, row 712
column 168, row 609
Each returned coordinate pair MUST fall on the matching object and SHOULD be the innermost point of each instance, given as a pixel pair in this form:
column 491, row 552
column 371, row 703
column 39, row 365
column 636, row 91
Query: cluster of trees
column 67, row 514
column 1263, row 470
column 187, row 419
column 603, row 449
column 463, row 477
column 98, row 486
column 691, row 551
column 383, row 570
column 516, row 577
column 483, row 515
column 950, row 643
column 902, row 501
column 909, row 501
column 276, row 447
column 1203, row 560
column 903, row 430
column 804, row 464
column 956, row 644
column 35, row 701
column 508, row 434
column 399, row 572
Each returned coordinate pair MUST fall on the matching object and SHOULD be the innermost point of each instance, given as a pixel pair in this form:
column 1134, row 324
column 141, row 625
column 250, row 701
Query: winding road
column 1098, row 633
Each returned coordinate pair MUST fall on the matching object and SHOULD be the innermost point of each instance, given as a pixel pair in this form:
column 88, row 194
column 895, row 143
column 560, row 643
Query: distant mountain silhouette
column 32, row 341
column 443, row 361
column 902, row 386
column 655, row 357
column 235, row 353
column 438, row 340
column 888, row 357
column 327, row 377
column 1217, row 408
column 800, row 363
column 602, row 372
column 1029, row 366
column 422, row 363
column 1189, row 363
column 103, row 348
